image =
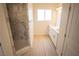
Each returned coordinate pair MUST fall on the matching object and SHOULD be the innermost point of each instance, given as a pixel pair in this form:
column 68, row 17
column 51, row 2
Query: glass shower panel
column 19, row 25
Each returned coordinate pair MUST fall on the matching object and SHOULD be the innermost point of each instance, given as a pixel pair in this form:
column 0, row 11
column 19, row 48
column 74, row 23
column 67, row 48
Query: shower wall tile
column 18, row 21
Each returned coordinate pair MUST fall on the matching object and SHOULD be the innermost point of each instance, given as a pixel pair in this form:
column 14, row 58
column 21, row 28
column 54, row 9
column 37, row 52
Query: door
column 30, row 17
column 63, row 25
column 71, row 46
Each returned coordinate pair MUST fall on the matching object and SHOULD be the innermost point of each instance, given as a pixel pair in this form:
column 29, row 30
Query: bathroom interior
column 18, row 23
column 37, row 26
column 39, row 29
column 30, row 20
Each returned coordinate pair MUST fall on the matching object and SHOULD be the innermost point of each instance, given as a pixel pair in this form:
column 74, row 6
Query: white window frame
column 44, row 16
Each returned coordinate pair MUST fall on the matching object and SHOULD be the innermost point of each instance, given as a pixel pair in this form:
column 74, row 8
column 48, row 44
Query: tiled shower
column 19, row 24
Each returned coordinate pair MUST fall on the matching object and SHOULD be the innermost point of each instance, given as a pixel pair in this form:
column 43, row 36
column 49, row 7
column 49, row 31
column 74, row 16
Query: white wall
column 30, row 17
column 41, row 27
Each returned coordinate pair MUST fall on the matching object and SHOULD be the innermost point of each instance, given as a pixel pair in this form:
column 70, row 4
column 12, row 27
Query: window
column 44, row 14
column 40, row 14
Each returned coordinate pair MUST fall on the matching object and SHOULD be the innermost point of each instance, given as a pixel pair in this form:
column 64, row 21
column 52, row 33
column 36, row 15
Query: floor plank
column 42, row 46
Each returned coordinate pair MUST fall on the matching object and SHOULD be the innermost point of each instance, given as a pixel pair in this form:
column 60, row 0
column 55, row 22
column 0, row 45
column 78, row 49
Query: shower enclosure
column 18, row 18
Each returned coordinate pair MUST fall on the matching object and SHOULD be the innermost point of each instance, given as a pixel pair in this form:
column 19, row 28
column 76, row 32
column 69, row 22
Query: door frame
column 63, row 27
column 6, row 35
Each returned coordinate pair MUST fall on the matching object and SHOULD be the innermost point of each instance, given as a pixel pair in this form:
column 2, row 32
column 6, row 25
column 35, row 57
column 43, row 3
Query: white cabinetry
column 53, row 34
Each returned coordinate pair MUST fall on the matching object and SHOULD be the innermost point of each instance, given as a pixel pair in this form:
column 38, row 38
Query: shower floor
column 19, row 44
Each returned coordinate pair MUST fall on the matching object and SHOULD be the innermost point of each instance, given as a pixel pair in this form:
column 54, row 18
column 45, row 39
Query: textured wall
column 19, row 24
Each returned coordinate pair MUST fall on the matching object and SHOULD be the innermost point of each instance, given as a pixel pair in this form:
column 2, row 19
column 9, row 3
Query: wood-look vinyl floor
column 42, row 46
